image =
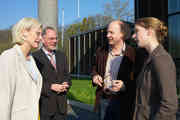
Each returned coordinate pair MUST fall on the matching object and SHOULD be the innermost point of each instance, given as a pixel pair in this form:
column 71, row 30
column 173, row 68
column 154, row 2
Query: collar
column 19, row 50
column 47, row 52
column 155, row 52
column 122, row 50
column 21, row 53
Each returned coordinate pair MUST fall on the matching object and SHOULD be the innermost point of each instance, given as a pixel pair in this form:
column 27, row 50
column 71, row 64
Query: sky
column 12, row 11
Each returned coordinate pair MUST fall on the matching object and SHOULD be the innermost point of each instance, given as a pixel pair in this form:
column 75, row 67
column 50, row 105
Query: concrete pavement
column 80, row 111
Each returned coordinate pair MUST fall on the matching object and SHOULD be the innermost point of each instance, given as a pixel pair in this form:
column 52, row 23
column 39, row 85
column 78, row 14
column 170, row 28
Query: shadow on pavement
column 76, row 113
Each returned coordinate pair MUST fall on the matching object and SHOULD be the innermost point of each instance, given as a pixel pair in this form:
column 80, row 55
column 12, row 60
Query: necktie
column 52, row 60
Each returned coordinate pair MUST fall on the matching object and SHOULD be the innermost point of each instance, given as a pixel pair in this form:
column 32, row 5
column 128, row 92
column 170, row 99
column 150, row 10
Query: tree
column 119, row 9
column 101, row 20
column 91, row 23
column 5, row 39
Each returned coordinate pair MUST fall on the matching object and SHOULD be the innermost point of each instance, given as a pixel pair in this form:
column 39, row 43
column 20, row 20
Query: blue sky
column 12, row 11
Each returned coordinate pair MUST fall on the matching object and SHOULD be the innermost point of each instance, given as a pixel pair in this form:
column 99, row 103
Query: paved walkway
column 80, row 111
column 178, row 115
column 76, row 113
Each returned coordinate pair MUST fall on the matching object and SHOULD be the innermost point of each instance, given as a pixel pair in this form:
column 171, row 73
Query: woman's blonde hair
column 19, row 27
column 157, row 25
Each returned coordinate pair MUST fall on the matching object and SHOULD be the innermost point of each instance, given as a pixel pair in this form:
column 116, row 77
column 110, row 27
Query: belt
column 110, row 95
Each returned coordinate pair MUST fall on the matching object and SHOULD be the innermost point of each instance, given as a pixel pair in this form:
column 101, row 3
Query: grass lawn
column 82, row 91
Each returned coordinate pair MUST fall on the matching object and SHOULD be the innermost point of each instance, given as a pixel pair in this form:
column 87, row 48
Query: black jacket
column 50, row 101
column 125, row 73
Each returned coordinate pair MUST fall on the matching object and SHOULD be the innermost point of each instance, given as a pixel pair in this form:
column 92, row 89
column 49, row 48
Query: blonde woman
column 156, row 97
column 20, row 80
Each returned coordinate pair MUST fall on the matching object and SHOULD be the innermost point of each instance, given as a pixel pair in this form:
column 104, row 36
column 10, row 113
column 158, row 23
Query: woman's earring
column 24, row 36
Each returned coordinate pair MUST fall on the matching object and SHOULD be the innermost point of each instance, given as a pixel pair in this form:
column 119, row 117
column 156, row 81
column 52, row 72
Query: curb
column 80, row 105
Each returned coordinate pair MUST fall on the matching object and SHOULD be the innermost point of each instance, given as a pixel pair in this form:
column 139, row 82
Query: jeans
column 102, row 108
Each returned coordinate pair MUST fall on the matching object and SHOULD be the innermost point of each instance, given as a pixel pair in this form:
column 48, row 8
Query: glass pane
column 173, row 6
column 174, row 35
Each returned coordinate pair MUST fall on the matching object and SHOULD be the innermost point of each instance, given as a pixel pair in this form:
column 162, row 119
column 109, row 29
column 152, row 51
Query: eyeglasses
column 52, row 38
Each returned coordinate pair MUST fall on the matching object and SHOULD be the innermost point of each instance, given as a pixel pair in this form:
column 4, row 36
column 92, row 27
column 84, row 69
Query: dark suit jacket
column 50, row 101
column 156, row 88
column 125, row 98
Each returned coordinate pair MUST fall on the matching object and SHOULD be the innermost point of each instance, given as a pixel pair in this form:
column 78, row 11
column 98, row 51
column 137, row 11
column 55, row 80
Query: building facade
column 155, row 8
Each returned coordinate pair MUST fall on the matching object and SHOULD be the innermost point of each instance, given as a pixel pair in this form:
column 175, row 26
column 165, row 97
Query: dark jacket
column 156, row 97
column 125, row 98
column 50, row 101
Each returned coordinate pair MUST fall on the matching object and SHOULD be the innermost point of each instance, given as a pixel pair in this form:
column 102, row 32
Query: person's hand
column 54, row 87
column 118, row 85
column 59, row 87
column 97, row 79
column 66, row 85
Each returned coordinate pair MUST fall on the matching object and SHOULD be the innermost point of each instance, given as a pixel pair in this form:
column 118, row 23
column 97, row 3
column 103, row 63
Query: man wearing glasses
column 53, row 66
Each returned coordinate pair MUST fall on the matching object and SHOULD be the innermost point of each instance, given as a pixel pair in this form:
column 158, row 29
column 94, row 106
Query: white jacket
column 19, row 93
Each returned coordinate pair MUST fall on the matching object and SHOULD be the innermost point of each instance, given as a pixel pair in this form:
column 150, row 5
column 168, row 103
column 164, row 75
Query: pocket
column 20, row 109
column 62, row 104
column 142, row 113
column 20, row 113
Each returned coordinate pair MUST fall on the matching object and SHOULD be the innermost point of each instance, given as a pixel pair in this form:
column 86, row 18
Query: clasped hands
column 117, row 85
column 60, row 87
